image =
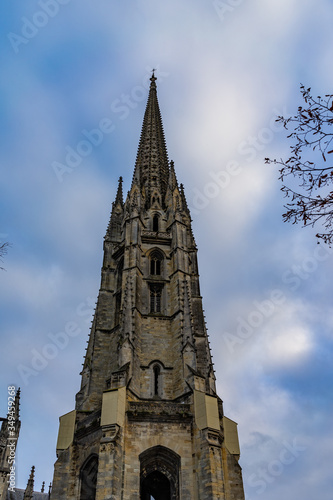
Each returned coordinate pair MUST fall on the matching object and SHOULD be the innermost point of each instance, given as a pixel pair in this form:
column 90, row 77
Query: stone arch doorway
column 88, row 478
column 159, row 474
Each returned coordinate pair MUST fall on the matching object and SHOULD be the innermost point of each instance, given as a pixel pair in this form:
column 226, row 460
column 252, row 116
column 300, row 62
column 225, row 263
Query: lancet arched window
column 156, row 222
column 157, row 374
column 88, row 477
column 156, row 259
column 155, row 298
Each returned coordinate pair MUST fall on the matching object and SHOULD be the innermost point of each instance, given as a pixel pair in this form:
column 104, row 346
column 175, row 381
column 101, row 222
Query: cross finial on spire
column 153, row 77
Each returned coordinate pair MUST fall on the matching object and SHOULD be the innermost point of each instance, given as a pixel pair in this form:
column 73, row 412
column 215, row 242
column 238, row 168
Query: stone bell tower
column 148, row 423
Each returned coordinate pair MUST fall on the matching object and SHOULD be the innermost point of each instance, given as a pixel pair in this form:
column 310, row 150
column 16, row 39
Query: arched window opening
column 159, row 474
column 156, row 263
column 157, row 372
column 155, row 298
column 88, row 477
column 155, row 222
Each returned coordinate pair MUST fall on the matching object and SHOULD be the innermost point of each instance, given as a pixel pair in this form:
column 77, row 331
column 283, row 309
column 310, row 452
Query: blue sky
column 225, row 70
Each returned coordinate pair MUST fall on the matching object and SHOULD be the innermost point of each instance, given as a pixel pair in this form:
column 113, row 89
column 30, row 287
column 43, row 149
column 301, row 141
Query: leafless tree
column 307, row 175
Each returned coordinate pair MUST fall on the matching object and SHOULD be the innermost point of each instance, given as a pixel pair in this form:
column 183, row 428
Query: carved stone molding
column 160, row 237
column 159, row 411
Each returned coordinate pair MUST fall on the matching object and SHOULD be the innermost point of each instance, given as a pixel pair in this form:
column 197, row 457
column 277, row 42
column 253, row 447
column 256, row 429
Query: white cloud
column 289, row 347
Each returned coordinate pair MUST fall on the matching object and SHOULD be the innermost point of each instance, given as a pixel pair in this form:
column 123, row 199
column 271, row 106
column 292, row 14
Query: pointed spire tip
column 153, row 79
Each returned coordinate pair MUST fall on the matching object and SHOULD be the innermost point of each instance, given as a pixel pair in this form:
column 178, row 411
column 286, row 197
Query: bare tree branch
column 309, row 164
column 3, row 250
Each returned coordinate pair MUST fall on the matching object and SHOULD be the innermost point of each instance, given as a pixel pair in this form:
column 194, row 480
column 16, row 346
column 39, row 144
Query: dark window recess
column 157, row 372
column 117, row 312
column 155, row 222
column 120, row 268
column 155, row 299
column 156, row 486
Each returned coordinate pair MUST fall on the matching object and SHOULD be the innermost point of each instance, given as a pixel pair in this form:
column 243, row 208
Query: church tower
column 148, row 423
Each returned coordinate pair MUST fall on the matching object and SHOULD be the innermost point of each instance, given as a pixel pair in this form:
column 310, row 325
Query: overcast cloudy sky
column 225, row 70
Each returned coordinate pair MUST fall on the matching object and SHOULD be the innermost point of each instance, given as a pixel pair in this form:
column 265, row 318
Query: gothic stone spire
column 151, row 169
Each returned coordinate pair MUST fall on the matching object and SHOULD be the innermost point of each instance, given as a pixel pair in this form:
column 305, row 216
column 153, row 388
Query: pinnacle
column 172, row 177
column 30, row 486
column 118, row 201
column 119, row 196
column 32, row 473
column 184, row 202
